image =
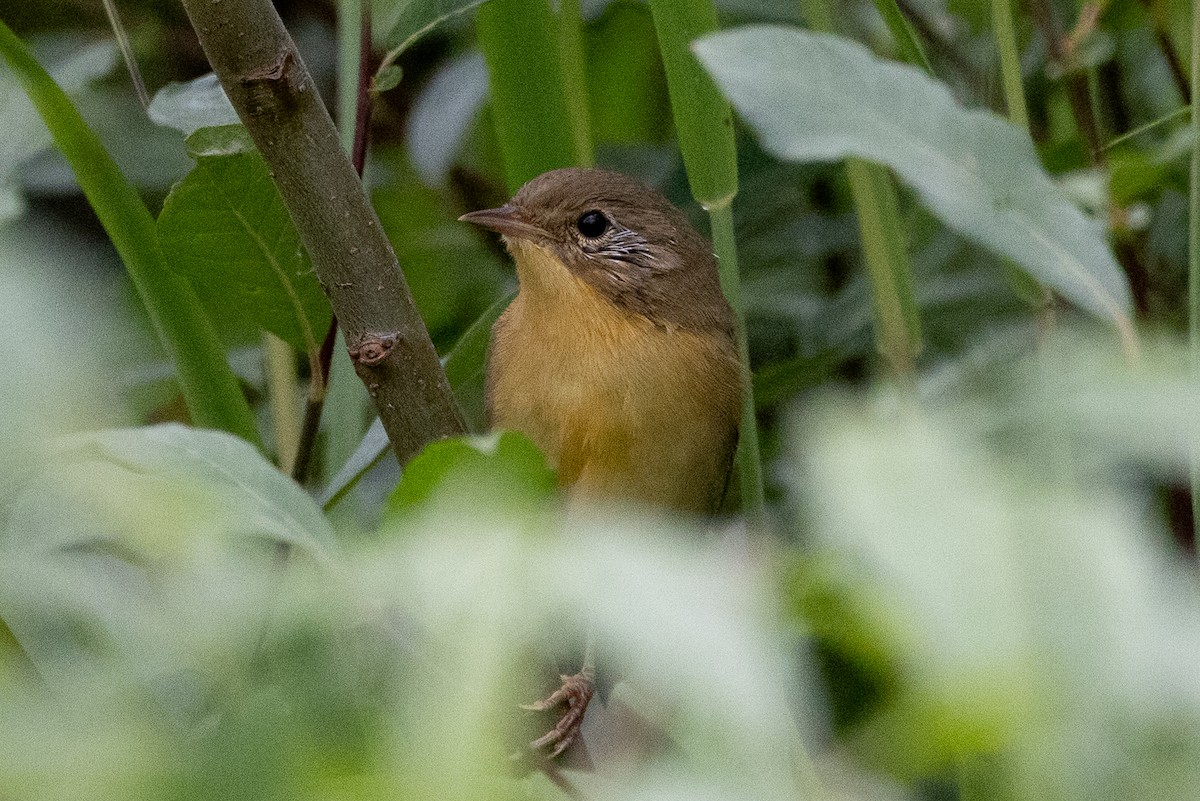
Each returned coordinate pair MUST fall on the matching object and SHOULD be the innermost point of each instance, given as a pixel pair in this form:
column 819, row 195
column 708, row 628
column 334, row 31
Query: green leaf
column 399, row 23
column 814, row 97
column 144, row 544
column 225, row 228
column 388, row 78
column 506, row 463
column 188, row 107
column 213, row 395
column 25, row 134
column 209, row 480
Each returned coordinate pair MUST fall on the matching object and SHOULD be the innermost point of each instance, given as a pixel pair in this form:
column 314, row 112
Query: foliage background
column 974, row 584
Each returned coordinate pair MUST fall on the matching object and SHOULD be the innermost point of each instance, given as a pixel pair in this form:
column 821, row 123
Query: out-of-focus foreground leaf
column 814, row 97
column 994, row 545
column 116, row 513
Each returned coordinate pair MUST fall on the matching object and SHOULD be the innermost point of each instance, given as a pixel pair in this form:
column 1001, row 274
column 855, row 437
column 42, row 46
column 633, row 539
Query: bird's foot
column 574, row 694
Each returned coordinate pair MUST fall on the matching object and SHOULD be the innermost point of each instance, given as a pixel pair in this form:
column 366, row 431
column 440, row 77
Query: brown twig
column 267, row 82
column 318, row 386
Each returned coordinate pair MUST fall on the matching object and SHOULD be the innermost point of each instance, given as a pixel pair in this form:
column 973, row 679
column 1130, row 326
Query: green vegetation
column 964, row 241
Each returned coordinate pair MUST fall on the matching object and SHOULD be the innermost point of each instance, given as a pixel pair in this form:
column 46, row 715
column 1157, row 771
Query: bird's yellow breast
column 623, row 408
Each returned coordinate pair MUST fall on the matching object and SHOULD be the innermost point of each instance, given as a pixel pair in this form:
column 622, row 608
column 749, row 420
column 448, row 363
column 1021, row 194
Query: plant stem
column 1194, row 257
column 267, row 82
column 1076, row 82
column 903, row 34
column 135, row 74
column 350, row 35
column 280, row 362
column 1178, row 74
column 704, row 121
column 897, row 319
column 749, row 459
column 885, row 251
column 318, row 391
column 1010, row 63
column 356, row 143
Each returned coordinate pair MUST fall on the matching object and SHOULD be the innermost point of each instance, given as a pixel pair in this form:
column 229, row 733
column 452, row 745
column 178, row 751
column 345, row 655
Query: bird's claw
column 575, row 693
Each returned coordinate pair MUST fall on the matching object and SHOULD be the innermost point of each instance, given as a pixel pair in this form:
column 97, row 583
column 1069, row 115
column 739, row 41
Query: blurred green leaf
column 225, row 483
column 992, row 539
column 507, row 463
column 814, row 97
column 452, row 274
column 225, row 228
column 188, row 107
column 466, row 365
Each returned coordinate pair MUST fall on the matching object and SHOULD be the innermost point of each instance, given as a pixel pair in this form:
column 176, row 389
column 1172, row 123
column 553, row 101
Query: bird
column 617, row 357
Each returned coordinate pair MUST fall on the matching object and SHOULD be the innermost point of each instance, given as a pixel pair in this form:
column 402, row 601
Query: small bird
column 617, row 357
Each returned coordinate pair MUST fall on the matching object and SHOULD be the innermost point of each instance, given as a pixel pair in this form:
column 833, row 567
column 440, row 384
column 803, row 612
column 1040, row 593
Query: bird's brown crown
column 624, row 239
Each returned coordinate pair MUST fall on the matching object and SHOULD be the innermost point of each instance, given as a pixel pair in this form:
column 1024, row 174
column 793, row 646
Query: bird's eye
column 592, row 223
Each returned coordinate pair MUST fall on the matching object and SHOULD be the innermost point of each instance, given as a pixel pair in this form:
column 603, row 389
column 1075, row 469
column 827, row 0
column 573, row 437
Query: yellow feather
column 623, row 408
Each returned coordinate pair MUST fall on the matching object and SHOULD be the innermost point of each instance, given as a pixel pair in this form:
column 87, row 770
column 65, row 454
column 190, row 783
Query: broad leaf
column 813, row 97
column 507, row 461
column 188, row 107
column 226, row 229
column 150, row 541
column 208, row 480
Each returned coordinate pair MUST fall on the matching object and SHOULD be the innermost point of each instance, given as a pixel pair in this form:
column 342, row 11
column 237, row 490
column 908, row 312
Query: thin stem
column 904, row 35
column 942, row 44
column 363, row 97
column 884, row 247
column 350, row 13
column 135, row 74
column 749, row 458
column 318, row 390
column 1076, row 82
column 885, row 252
column 1194, row 255
column 281, row 390
column 1010, row 63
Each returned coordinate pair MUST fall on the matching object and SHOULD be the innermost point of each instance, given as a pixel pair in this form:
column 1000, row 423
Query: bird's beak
column 504, row 220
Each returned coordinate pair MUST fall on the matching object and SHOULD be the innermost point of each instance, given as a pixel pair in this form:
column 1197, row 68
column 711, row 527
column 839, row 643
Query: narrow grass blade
column 213, row 395
column 911, row 49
